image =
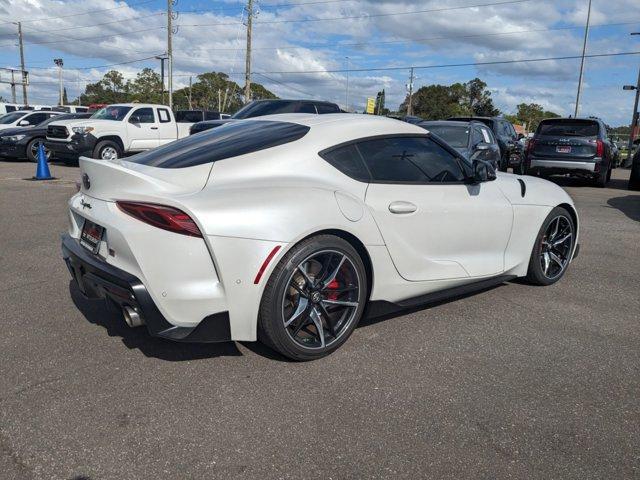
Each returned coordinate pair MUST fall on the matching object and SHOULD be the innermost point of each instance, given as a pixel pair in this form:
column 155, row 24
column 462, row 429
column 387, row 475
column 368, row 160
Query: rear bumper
column 97, row 279
column 552, row 166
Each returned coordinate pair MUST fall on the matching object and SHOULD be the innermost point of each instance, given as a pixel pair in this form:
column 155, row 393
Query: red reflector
column 161, row 216
column 599, row 148
column 265, row 264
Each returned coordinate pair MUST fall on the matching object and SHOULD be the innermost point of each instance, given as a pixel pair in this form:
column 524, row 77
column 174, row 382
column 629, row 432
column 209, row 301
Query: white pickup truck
column 115, row 131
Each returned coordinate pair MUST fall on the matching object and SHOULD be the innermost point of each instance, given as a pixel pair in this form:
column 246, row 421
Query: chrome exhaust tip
column 132, row 318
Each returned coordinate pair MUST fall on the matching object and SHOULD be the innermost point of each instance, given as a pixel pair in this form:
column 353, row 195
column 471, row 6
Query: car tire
column 601, row 180
column 609, row 174
column 32, row 150
column 107, row 150
column 302, row 292
column 544, row 269
column 504, row 164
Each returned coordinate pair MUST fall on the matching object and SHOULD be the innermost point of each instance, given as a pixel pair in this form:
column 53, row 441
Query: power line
column 416, row 40
column 286, row 85
column 263, row 6
column 82, row 13
column 100, row 24
column 101, row 66
column 451, row 65
column 87, row 38
column 375, row 15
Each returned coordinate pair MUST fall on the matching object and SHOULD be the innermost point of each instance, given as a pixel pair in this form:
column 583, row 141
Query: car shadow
column 613, row 184
column 99, row 313
column 629, row 205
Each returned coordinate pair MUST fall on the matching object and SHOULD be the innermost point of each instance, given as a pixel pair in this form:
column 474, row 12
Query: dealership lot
column 516, row 381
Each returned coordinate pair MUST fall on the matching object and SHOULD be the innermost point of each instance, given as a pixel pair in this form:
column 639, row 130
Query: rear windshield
column 569, row 128
column 457, row 136
column 189, row 116
column 230, row 140
column 259, row 109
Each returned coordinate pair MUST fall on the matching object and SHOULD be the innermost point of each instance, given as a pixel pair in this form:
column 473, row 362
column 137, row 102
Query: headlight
column 82, row 130
column 14, row 138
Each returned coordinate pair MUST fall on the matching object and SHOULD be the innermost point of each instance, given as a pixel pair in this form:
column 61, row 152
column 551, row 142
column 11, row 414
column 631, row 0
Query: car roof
column 289, row 100
column 459, row 123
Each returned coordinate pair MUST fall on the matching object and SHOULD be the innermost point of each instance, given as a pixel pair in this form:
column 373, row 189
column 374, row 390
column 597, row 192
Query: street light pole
column 60, row 63
column 634, row 178
column 346, row 99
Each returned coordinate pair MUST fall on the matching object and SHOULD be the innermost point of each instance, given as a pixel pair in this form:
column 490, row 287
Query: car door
column 435, row 225
column 142, row 129
column 167, row 130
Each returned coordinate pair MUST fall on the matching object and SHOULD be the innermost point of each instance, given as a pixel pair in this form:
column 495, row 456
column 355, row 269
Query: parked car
column 71, row 108
column 193, row 116
column 24, row 118
column 474, row 140
column 283, row 228
column 8, row 108
column 259, row 108
column 510, row 149
column 23, row 142
column 571, row 146
column 115, row 131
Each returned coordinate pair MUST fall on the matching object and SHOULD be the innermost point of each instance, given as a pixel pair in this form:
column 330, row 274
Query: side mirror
column 483, row 172
column 481, row 147
column 134, row 119
column 24, row 123
column 520, row 136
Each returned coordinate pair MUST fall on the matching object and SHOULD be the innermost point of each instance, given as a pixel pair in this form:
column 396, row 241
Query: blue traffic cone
column 42, row 170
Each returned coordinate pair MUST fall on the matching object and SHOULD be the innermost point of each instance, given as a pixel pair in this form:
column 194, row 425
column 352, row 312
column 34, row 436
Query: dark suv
column 511, row 153
column 259, row 108
column 571, row 146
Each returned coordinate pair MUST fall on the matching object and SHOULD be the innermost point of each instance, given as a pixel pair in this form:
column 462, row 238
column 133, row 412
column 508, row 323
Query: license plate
column 563, row 149
column 91, row 236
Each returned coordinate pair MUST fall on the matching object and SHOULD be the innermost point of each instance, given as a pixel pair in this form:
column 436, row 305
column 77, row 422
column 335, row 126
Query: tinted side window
column 327, row 108
column 211, row 116
column 347, row 159
column 477, row 136
column 305, row 107
column 142, row 115
column 189, row 116
column 487, row 135
column 37, row 118
column 227, row 141
column 409, row 160
column 10, row 108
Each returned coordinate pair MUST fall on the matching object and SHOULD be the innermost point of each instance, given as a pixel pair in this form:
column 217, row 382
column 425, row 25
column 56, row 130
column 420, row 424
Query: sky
column 340, row 50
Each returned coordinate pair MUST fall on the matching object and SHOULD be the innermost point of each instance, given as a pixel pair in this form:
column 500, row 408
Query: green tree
column 258, row 92
column 65, row 99
column 435, row 102
column 478, row 98
column 111, row 89
column 531, row 114
column 146, row 87
column 380, row 100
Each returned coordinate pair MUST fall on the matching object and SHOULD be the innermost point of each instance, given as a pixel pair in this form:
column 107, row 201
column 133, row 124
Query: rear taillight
column 530, row 146
column 599, row 148
column 161, row 216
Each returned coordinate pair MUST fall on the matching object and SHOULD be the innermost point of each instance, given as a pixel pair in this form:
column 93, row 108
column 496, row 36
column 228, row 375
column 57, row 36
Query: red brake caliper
column 333, row 285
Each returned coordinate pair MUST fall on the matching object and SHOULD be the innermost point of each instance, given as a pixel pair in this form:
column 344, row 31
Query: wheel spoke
column 333, row 274
column 317, row 321
column 330, row 322
column 302, row 308
column 297, row 288
column 562, row 240
column 556, row 259
column 555, row 230
column 325, row 268
column 343, row 303
column 303, row 271
column 546, row 262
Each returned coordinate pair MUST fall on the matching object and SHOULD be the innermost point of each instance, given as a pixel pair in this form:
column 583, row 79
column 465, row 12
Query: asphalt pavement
column 514, row 382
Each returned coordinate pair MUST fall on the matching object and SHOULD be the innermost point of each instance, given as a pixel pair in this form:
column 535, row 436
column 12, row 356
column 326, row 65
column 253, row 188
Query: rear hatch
column 566, row 139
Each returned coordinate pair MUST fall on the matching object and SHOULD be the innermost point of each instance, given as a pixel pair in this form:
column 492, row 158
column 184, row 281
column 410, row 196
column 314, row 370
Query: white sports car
column 285, row 227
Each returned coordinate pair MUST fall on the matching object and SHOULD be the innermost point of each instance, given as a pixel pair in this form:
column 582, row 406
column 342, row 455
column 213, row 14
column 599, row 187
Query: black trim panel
column 97, row 279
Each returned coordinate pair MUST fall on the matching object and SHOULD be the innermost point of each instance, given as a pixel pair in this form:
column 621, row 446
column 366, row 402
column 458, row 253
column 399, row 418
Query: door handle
column 402, row 207
column 154, row 128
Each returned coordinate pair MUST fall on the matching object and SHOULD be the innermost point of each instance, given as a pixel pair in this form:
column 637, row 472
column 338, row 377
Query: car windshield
column 258, row 109
column 569, row 128
column 11, row 117
column 112, row 112
column 455, row 135
column 55, row 118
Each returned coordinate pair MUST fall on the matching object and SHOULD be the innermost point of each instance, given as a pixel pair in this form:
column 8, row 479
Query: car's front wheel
column 107, row 150
column 553, row 248
column 32, row 150
column 314, row 298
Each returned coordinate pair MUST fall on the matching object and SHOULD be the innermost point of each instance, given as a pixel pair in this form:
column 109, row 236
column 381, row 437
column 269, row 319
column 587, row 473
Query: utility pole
column 247, row 71
column 410, row 104
column 13, row 87
column 60, row 63
column 25, row 99
column 584, row 51
column 170, row 49
column 346, row 95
